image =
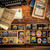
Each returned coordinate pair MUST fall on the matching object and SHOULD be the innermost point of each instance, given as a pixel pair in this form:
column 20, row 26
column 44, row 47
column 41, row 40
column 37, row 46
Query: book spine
column 32, row 3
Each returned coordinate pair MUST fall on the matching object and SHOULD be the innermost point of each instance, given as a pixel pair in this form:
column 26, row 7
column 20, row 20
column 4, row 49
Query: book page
column 1, row 11
column 7, row 18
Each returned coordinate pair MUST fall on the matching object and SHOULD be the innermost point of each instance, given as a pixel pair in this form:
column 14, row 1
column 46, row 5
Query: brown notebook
column 6, row 17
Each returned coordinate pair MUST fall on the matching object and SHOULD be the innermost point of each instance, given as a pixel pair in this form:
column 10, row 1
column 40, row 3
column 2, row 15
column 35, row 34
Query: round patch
column 4, row 40
column 44, row 40
column 33, row 33
column 39, row 40
column 38, row 33
column 21, row 40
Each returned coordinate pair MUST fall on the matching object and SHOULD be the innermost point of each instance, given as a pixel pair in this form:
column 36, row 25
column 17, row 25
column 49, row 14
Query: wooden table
column 27, row 18
column 27, row 14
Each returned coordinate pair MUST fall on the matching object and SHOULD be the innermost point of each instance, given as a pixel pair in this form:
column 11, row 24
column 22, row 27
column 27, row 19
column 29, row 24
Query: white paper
column 18, row 14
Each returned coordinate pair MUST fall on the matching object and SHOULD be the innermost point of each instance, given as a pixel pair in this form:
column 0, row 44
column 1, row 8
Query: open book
column 6, row 17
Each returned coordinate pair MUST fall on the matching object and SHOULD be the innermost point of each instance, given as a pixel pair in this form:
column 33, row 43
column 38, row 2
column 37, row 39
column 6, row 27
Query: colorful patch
column 21, row 34
column 33, row 39
column 20, row 27
column 39, row 40
column 44, row 40
column 21, row 40
column 33, row 33
column 11, row 40
column 14, row 34
column 5, row 34
column 9, row 33
column 27, row 39
column 14, row 27
column 4, row 40
column 28, row 26
column 34, row 26
column 45, row 27
column 28, row 32
column 40, row 26
column 44, row 33
column 38, row 33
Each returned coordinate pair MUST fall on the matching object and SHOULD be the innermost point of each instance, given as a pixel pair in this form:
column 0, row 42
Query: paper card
column 18, row 13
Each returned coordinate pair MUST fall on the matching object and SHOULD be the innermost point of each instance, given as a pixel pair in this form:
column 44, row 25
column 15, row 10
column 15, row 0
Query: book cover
column 40, row 9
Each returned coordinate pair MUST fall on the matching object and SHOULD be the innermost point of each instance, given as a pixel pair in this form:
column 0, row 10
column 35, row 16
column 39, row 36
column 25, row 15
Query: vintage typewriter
column 7, row 3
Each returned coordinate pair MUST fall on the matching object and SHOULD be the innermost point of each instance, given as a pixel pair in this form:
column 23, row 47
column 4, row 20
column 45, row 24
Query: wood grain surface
column 27, row 14
column 27, row 18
